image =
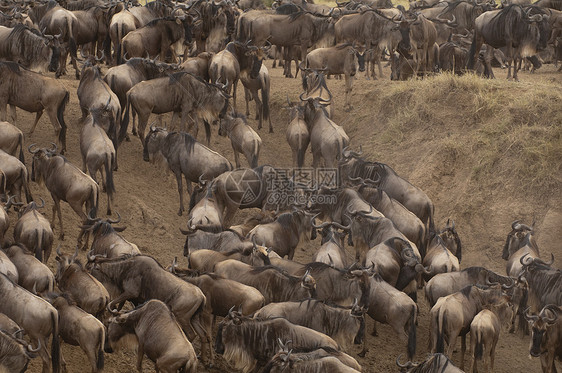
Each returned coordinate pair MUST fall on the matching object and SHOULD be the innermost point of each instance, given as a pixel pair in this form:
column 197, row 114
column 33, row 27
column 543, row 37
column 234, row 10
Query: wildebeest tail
column 471, row 52
column 412, row 334
column 207, row 131
column 40, row 239
column 71, row 41
column 125, row 121
column 119, row 49
column 55, row 344
column 255, row 154
column 100, row 361
column 93, row 201
column 109, row 184
column 441, row 319
column 479, row 348
column 20, row 142
column 300, row 156
column 60, row 118
column 265, row 97
column 24, row 176
column 2, row 182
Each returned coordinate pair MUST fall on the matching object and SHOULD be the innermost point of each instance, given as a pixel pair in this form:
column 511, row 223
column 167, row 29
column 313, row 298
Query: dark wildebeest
column 34, row 231
column 14, row 177
column 86, row 290
column 332, row 251
column 34, row 93
column 33, row 275
column 297, row 134
column 29, row 48
column 520, row 242
column 121, row 276
column 385, row 178
column 341, row 59
column 485, row 332
column 11, row 138
column 247, row 343
column 324, row 359
column 434, row 363
column 510, row 27
column 15, row 353
column 345, row 325
column 185, row 157
column 181, row 93
column 546, row 342
column 451, row 239
column 451, row 316
column 36, row 316
column 65, row 182
column 284, row 234
column 543, row 283
column 79, row 328
column 275, row 284
column 92, row 28
column 242, row 137
column 252, row 86
column 107, row 242
column 158, row 334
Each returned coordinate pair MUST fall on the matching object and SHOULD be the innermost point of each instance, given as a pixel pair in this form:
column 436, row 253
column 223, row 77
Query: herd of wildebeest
column 276, row 315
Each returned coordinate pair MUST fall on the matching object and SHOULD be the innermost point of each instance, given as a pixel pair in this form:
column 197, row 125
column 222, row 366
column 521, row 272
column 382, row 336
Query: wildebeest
column 451, row 316
column 223, row 241
column 98, row 153
column 120, row 25
column 36, row 316
column 252, row 86
column 11, row 138
column 4, row 218
column 79, row 328
column 15, row 353
column 158, row 334
column 345, row 325
column 439, row 258
column 198, row 65
column 451, row 239
column 182, row 93
column 186, row 301
column 86, row 290
column 106, row 241
column 205, row 260
column 520, row 242
column 297, row 134
column 511, row 27
column 15, row 177
column 34, row 93
column 29, row 48
column 332, row 251
column 65, row 182
column 242, row 138
column 247, row 343
column 543, row 283
column 186, row 157
column 8, row 268
column 33, row 275
column 34, row 231
column 341, row 59
column 434, row 363
column 545, row 341
column 274, row 284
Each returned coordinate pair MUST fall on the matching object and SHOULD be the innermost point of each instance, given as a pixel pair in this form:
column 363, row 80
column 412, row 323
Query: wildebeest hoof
column 180, row 212
column 271, row 130
column 61, row 236
column 363, row 353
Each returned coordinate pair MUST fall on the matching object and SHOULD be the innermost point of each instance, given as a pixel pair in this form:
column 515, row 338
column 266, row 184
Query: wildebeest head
column 516, row 238
column 64, row 261
column 451, row 239
column 539, row 27
column 40, row 162
column 404, row 46
column 153, row 141
column 121, row 332
column 540, row 324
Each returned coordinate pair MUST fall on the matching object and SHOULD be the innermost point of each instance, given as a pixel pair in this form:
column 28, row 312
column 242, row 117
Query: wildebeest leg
column 56, row 209
column 140, row 355
column 44, row 354
column 248, row 99
column 52, row 113
column 180, row 190
column 143, row 120
column 91, row 355
column 463, row 350
column 236, row 157
column 206, row 349
column 348, row 87
column 134, row 130
column 13, row 115
column 452, row 341
column 62, row 361
column 374, row 333
column 234, row 86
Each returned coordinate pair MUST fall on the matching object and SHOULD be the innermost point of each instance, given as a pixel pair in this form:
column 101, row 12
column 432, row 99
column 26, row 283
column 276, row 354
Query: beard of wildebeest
column 54, row 64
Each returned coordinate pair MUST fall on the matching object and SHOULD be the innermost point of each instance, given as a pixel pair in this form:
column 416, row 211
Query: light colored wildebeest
column 198, row 65
column 29, row 48
column 284, row 234
column 157, row 334
column 262, row 217
column 15, row 353
column 11, row 138
column 224, row 241
column 242, row 138
column 422, row 36
column 15, row 177
column 65, row 182
column 314, row 86
column 341, row 59
column 182, row 93
column 8, row 268
column 85, row 289
column 33, row 92
column 252, row 86
column 185, row 157
column 451, row 239
column 520, row 242
column 451, row 316
column 247, row 343
column 327, row 139
column 120, row 25
column 98, row 152
column 485, row 332
column 345, row 325
column 36, row 316
column 34, row 231
column 79, row 328
column 33, row 275
column 4, row 218
column 107, row 242
column 187, row 301
column 274, row 284
column 207, row 214
column 542, row 283
column 205, row 260
column 546, row 342
column 297, row 134
column 332, row 251
column 8, row 325
column 434, row 363
column 439, row 258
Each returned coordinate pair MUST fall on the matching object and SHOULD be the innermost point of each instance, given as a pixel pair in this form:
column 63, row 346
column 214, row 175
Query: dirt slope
column 486, row 152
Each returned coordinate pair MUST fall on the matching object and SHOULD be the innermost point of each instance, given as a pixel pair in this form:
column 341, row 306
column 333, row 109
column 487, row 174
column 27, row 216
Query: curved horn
column 29, row 148
column 526, row 260
column 551, row 260
column 343, row 227
column 528, row 316
column 406, row 365
column 111, row 310
column 90, row 255
column 54, row 148
column 125, row 58
column 101, row 57
column 515, row 225
column 42, row 203
column 555, row 310
column 34, row 350
column 110, row 221
column 58, row 250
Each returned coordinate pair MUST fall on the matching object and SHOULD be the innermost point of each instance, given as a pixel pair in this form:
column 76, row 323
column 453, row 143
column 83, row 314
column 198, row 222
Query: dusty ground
column 453, row 138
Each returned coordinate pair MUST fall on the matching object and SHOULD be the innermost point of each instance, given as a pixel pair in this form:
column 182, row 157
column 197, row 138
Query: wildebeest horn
column 125, row 58
column 42, row 203
column 555, row 310
column 110, row 221
column 526, row 260
column 54, row 148
column 75, row 255
column 509, row 286
column 184, row 232
column 551, row 260
column 528, row 316
column 231, row 310
column 254, row 242
column 31, row 349
column 407, row 365
column 82, row 53
column 343, row 227
column 29, row 148
column 515, row 225
column 288, row 101
column 101, row 57
column 58, row 250
column 111, row 309
column 318, row 226
column 536, row 18
column 90, row 255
